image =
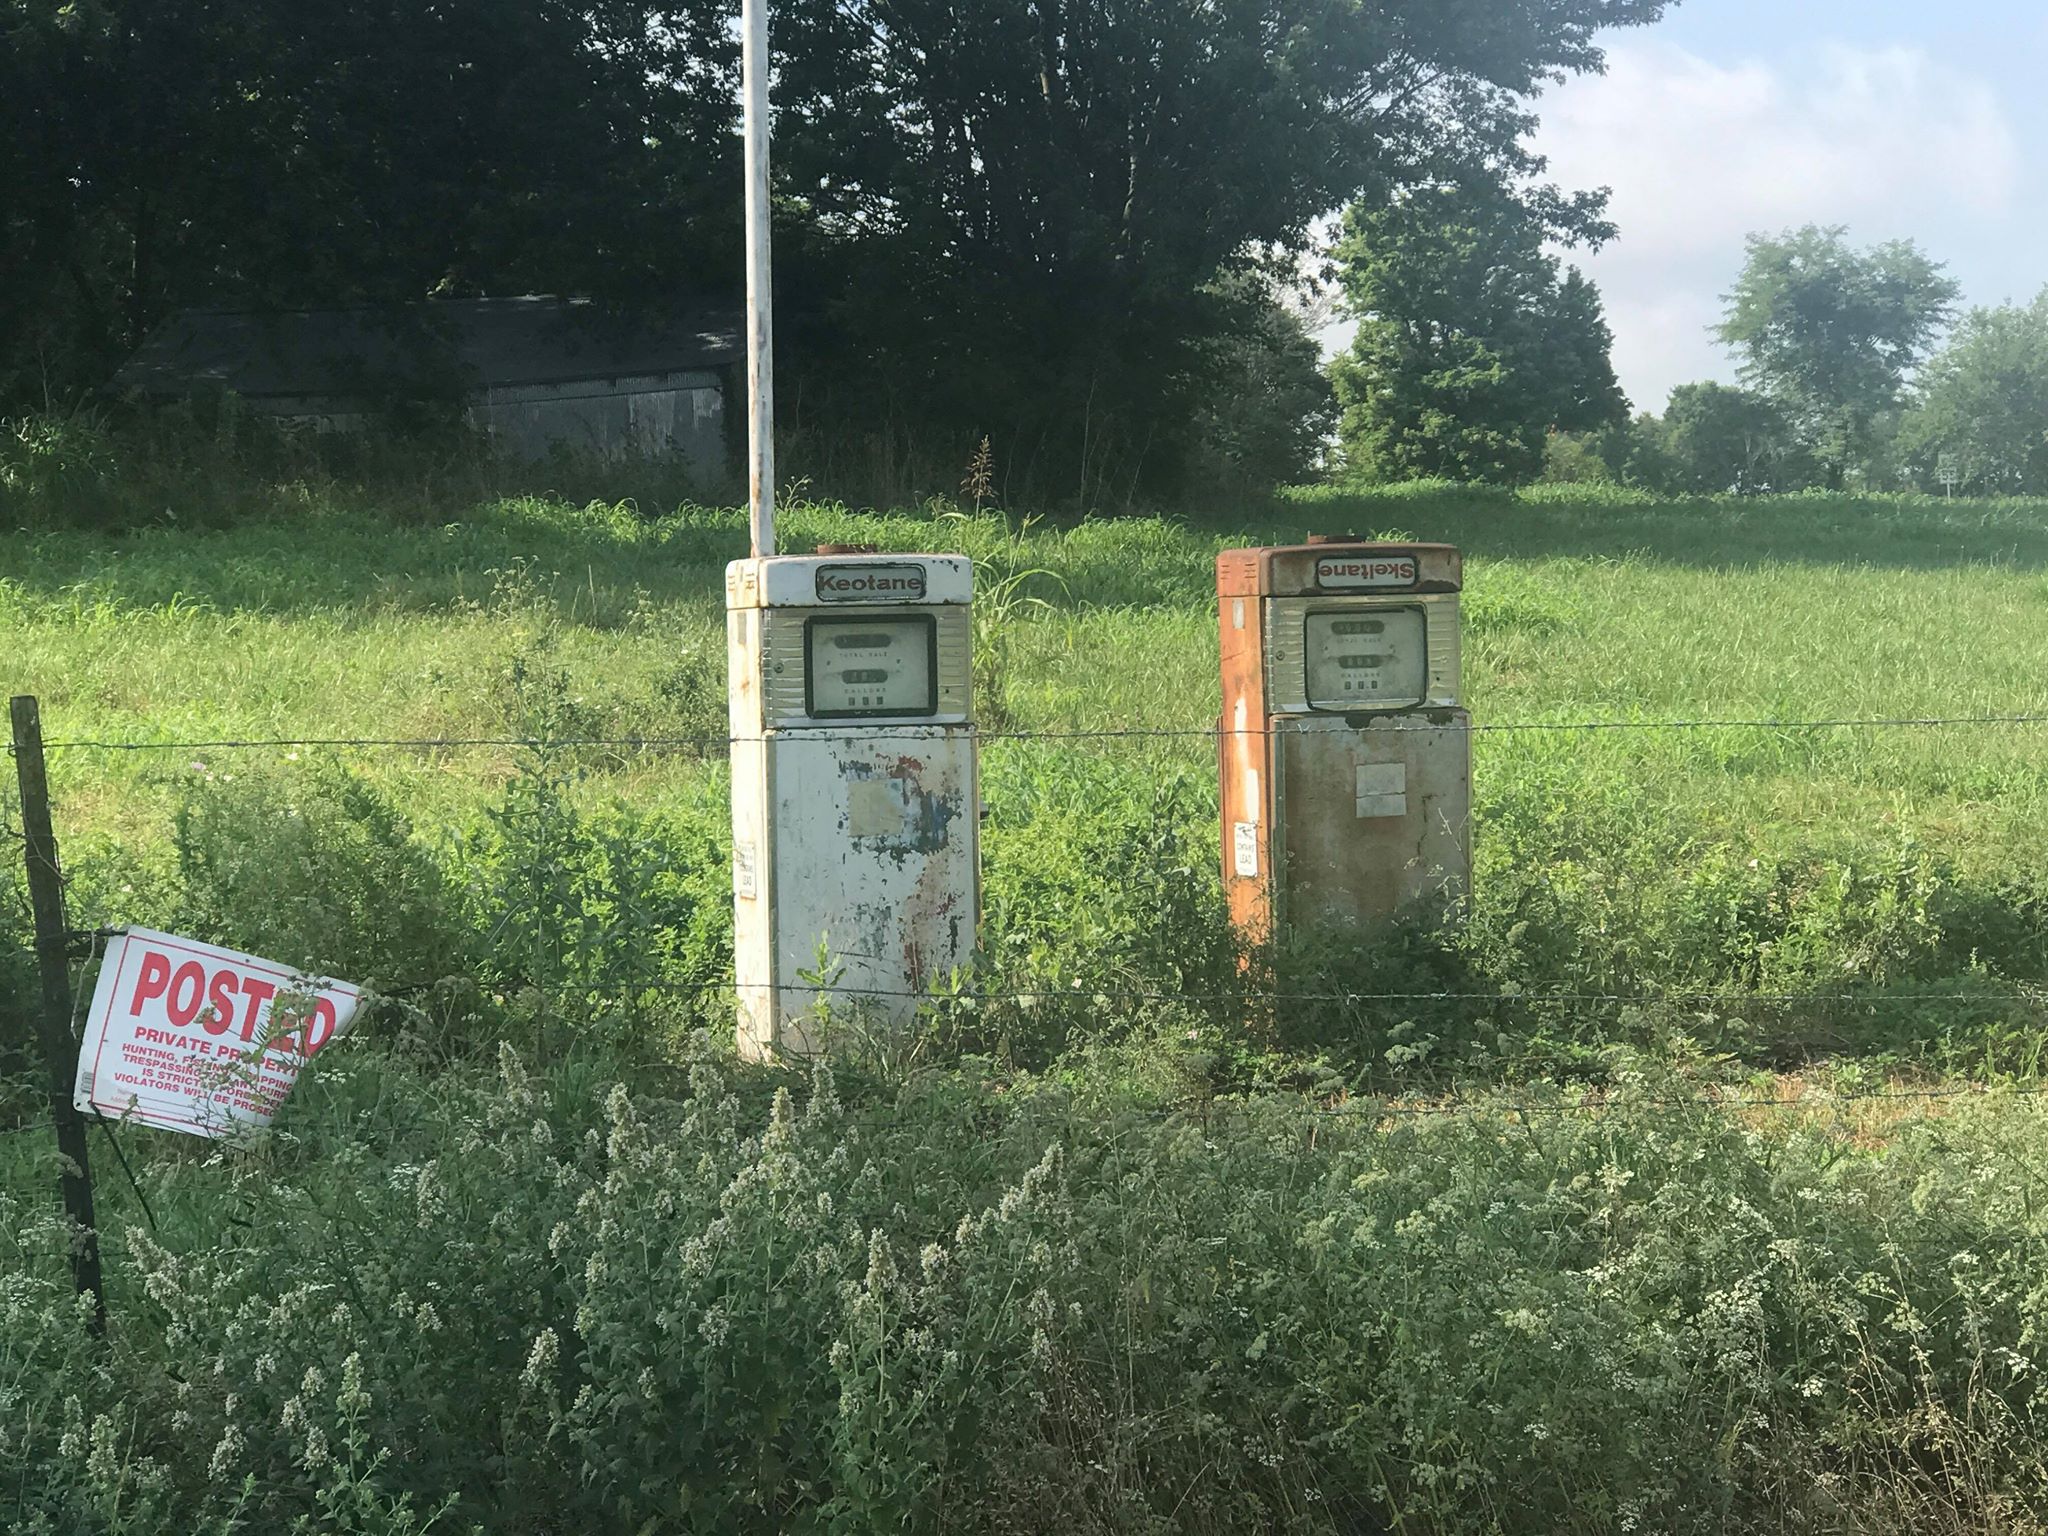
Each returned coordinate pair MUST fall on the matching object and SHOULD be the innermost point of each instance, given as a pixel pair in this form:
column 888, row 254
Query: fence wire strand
column 1115, row 733
column 2022, row 993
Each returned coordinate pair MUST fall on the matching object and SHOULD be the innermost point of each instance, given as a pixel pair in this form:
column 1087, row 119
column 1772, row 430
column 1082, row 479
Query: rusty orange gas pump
column 1345, row 757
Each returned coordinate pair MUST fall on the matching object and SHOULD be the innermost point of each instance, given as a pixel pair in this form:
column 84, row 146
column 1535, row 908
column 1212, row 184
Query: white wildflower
column 225, row 1455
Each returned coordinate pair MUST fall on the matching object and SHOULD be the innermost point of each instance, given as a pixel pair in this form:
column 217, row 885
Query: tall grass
column 1866, row 861
column 536, row 1302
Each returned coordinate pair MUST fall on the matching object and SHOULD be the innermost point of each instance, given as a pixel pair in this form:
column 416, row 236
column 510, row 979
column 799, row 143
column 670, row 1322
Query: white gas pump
column 855, row 794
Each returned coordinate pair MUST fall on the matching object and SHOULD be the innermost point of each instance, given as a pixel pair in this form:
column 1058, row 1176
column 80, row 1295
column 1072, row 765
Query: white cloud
column 1699, row 154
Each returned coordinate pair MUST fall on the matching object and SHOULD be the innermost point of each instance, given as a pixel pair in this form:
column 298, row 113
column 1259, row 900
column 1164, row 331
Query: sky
column 1901, row 119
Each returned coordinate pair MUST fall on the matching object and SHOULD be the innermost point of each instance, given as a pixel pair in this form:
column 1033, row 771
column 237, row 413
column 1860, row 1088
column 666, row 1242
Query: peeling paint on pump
column 891, row 804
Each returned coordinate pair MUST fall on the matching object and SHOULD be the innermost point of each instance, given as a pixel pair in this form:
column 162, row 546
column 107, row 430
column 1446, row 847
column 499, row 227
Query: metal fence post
column 53, row 963
column 756, row 63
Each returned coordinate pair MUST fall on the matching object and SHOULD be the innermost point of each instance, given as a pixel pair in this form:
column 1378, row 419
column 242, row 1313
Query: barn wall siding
column 680, row 415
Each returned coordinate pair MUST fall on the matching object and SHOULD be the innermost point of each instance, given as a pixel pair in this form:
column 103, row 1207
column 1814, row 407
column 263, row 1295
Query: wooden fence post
column 53, row 962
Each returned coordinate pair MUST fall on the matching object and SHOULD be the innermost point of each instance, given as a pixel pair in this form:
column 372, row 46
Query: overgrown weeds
column 534, row 1301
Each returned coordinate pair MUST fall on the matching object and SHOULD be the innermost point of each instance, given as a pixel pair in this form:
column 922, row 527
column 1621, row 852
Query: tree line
column 1480, row 357
column 1061, row 225
column 1072, row 228
column 1846, row 383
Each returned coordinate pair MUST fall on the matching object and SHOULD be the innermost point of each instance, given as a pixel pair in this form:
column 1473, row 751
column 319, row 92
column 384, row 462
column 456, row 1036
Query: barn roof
column 453, row 345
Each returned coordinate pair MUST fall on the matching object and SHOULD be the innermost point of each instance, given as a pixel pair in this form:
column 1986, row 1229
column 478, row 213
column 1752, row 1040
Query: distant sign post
column 191, row 1037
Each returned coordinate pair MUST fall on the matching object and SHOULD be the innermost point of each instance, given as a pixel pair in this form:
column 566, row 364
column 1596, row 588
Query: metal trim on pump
column 1287, row 647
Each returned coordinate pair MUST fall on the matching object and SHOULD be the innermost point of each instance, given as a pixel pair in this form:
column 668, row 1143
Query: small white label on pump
column 1244, row 845
column 1354, row 571
column 870, row 583
column 1382, row 789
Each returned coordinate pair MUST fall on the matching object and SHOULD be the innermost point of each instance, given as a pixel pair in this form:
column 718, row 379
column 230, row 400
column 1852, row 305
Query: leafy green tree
column 1630, row 453
column 1982, row 402
column 1012, row 210
column 1265, row 403
column 1830, row 333
column 1574, row 458
column 1716, row 438
column 1472, row 348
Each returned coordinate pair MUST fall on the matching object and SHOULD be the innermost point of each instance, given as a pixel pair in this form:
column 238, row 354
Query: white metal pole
column 760, row 283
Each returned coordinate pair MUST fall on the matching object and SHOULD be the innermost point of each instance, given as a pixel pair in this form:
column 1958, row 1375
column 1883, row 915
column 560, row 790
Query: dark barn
column 532, row 373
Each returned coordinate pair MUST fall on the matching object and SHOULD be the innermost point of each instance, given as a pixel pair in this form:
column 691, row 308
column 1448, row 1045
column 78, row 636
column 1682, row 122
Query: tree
column 1716, row 439
column 1471, row 347
column 1017, row 218
column 1830, row 333
column 1265, row 405
column 1982, row 402
column 1016, row 210
column 1629, row 452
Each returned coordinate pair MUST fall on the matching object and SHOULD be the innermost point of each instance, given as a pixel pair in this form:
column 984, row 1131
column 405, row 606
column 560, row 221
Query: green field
column 1742, row 860
column 1153, row 1256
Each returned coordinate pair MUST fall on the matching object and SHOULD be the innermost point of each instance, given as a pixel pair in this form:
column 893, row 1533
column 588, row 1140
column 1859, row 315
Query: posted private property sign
column 195, row 1038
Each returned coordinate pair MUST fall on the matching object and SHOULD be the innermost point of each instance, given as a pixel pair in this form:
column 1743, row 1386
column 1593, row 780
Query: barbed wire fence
column 1784, row 1095
column 2030, row 995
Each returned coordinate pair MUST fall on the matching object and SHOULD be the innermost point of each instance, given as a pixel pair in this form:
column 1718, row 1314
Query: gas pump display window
column 871, row 666
column 1367, row 659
